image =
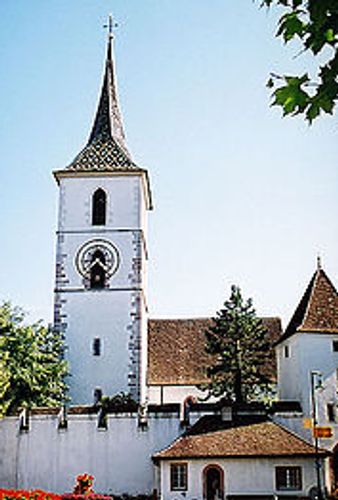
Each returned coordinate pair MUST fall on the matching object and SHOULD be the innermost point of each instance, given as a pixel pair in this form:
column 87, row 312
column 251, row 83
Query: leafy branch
column 315, row 24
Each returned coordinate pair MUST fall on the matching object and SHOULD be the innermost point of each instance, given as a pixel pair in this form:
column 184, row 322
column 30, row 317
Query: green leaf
column 312, row 112
column 291, row 97
column 329, row 35
column 290, row 25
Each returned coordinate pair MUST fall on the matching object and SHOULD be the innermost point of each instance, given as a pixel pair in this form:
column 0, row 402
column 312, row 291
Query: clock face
column 93, row 251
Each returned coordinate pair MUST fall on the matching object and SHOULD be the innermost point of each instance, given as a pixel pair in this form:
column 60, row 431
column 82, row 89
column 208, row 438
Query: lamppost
column 316, row 383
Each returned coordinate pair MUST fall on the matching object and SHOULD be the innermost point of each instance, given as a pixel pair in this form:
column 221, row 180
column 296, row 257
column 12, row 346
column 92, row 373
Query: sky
column 241, row 195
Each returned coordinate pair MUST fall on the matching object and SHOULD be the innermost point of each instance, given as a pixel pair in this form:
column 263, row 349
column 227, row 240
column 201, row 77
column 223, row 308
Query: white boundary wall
column 119, row 458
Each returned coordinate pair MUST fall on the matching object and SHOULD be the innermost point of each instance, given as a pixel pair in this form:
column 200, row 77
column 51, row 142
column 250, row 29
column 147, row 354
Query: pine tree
column 240, row 348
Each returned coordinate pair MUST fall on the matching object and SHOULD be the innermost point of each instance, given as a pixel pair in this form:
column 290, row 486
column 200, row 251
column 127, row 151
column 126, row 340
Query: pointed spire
column 108, row 121
column 106, row 149
column 318, row 309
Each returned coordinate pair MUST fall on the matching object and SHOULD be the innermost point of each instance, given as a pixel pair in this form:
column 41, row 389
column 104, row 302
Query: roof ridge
column 313, row 287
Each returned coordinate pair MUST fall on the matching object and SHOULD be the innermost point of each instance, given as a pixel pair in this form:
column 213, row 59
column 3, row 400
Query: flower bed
column 43, row 495
column 90, row 496
column 27, row 495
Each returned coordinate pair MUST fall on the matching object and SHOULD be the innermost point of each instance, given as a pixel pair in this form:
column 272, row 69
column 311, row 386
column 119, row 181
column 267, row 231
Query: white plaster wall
column 288, row 369
column 119, row 458
column 124, row 242
column 316, row 353
column 308, row 352
column 106, row 317
column 116, row 314
column 241, row 476
column 9, row 430
column 173, row 394
column 124, row 209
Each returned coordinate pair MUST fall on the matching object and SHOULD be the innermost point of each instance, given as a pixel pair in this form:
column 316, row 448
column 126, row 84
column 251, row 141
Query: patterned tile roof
column 262, row 439
column 176, row 353
column 103, row 154
column 106, row 150
column 317, row 310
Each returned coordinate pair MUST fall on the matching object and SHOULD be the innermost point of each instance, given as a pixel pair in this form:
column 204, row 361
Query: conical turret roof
column 317, row 310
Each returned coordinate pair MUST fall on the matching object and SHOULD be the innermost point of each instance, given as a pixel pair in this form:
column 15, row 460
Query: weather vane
column 110, row 26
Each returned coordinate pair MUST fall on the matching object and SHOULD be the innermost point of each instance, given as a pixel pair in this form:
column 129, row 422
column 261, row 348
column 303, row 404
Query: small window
column 97, row 395
column 335, row 345
column 286, row 351
column 179, row 477
column 99, row 208
column 288, row 478
column 330, row 408
column 97, row 347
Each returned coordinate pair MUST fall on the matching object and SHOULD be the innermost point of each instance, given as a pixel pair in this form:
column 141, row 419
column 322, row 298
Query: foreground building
column 237, row 458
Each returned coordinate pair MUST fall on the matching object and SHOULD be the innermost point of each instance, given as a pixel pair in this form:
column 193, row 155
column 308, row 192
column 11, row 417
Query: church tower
column 101, row 259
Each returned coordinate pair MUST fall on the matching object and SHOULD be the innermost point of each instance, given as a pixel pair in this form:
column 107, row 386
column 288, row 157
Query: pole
column 314, row 374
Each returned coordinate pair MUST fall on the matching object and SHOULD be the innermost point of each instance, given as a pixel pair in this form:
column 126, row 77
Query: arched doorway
column 213, row 482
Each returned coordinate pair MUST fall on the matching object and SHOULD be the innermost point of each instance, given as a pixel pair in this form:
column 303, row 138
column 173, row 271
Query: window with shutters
column 289, row 478
column 179, row 477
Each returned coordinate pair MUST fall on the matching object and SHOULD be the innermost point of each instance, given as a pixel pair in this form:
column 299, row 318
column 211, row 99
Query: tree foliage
column 32, row 368
column 240, row 348
column 314, row 23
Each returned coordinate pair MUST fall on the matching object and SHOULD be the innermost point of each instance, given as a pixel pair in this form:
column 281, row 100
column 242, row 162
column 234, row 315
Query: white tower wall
column 117, row 313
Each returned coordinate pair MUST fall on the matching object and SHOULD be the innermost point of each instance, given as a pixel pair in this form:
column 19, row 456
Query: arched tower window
column 99, row 208
column 97, row 270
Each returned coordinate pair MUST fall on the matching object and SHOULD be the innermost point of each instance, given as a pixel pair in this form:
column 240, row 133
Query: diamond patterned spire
column 106, row 149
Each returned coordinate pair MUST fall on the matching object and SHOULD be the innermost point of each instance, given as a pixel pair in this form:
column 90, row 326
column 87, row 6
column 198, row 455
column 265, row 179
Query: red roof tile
column 265, row 439
column 176, row 350
column 318, row 309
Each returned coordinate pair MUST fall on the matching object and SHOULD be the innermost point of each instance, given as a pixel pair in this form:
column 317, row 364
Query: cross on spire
column 110, row 26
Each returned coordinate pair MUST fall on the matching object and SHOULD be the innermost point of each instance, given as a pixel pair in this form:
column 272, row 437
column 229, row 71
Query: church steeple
column 106, row 149
column 108, row 121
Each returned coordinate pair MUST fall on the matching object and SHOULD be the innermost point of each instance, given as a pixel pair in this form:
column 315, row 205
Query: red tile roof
column 265, row 439
column 318, row 309
column 176, row 350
